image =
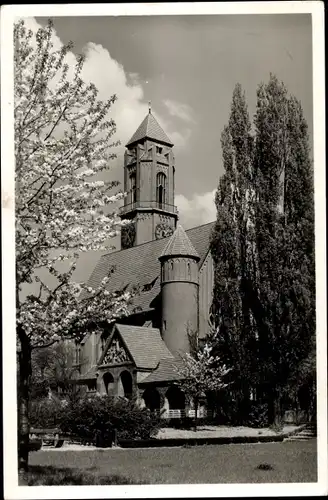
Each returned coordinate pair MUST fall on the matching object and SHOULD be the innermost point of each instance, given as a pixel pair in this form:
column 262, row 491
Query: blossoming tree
column 201, row 372
column 63, row 141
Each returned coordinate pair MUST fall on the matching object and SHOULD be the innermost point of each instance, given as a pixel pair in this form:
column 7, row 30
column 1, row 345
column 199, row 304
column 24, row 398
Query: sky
column 188, row 66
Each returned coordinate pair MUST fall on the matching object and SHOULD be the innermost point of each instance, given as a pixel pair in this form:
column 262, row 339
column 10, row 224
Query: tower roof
column 179, row 244
column 150, row 129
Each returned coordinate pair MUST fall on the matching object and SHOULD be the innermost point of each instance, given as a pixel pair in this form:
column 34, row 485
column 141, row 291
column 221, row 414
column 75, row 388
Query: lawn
column 293, row 461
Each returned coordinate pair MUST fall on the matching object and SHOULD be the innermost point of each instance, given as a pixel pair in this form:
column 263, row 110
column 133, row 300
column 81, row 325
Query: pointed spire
column 150, row 129
column 179, row 245
column 149, row 107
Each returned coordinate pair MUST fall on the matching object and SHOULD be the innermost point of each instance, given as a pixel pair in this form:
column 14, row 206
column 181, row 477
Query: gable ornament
column 116, row 354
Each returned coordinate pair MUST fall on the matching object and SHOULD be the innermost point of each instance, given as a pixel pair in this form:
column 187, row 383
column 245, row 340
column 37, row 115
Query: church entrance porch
column 169, row 400
column 117, row 381
column 152, row 399
column 109, row 383
column 175, row 403
column 125, row 385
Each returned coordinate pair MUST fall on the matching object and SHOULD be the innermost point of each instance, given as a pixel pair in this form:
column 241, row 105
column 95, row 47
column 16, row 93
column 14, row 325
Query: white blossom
column 63, row 140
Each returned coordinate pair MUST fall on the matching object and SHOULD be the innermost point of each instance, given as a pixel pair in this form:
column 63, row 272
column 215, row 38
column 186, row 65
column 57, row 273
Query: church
column 138, row 357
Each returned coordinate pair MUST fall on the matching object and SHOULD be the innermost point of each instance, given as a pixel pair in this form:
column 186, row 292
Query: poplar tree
column 284, row 220
column 63, row 140
column 263, row 245
column 232, row 252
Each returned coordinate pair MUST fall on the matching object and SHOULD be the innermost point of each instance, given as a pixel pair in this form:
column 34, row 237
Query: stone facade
column 137, row 358
column 149, row 183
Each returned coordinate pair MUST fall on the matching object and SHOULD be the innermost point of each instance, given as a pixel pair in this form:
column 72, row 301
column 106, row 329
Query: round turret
column 179, row 284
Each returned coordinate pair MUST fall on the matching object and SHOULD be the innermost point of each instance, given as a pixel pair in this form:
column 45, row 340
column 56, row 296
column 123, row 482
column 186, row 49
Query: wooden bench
column 52, row 437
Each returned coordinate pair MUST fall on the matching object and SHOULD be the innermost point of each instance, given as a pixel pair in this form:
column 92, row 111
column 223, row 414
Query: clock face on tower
column 163, row 231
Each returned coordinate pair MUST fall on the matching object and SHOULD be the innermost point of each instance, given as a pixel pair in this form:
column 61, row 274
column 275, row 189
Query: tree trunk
column 277, row 410
column 274, row 405
column 23, row 379
column 196, row 410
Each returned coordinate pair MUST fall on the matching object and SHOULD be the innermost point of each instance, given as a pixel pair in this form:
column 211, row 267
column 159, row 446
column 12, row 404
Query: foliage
column 63, row 142
column 46, row 413
column 285, row 237
column 232, row 250
column 263, row 247
column 63, row 147
column 224, row 408
column 258, row 415
column 52, row 369
column 101, row 414
column 200, row 373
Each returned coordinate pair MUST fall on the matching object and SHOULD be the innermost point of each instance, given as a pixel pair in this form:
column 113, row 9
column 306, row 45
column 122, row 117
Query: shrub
column 35, row 444
column 258, row 415
column 264, row 466
column 94, row 418
column 39, row 389
column 46, row 413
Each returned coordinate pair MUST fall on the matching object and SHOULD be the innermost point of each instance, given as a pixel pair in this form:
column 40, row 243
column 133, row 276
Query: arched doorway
column 125, row 386
column 109, row 383
column 152, row 399
column 176, row 398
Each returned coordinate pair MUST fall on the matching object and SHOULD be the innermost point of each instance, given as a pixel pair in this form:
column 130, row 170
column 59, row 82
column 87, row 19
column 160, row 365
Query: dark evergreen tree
column 263, row 246
column 232, row 252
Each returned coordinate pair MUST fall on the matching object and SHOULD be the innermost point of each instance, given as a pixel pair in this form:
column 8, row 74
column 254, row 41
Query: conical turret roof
column 150, row 129
column 179, row 244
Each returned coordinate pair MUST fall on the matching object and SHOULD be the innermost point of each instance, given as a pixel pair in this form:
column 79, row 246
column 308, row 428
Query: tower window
column 133, row 187
column 159, row 150
column 173, row 179
column 160, row 189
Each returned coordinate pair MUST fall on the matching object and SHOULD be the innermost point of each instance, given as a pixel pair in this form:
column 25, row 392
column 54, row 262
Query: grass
column 47, row 475
column 293, row 461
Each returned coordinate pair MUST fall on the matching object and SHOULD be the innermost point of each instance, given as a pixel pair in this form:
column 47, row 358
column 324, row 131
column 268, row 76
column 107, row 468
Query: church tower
column 149, row 184
column 179, row 287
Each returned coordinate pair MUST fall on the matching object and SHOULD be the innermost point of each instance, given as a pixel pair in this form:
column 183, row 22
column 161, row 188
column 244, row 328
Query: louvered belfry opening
column 161, row 189
column 133, row 187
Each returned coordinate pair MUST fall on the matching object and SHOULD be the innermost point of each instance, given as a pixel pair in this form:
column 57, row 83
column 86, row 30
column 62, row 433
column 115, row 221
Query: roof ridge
column 152, row 241
column 137, row 326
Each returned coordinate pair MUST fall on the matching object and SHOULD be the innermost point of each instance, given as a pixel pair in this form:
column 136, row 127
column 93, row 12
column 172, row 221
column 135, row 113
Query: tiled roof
column 145, row 345
column 179, row 244
column 150, row 128
column 139, row 266
column 167, row 371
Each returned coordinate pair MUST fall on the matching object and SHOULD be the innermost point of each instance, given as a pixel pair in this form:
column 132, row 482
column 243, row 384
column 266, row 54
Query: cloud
column 180, row 110
column 198, row 210
column 110, row 77
column 179, row 139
